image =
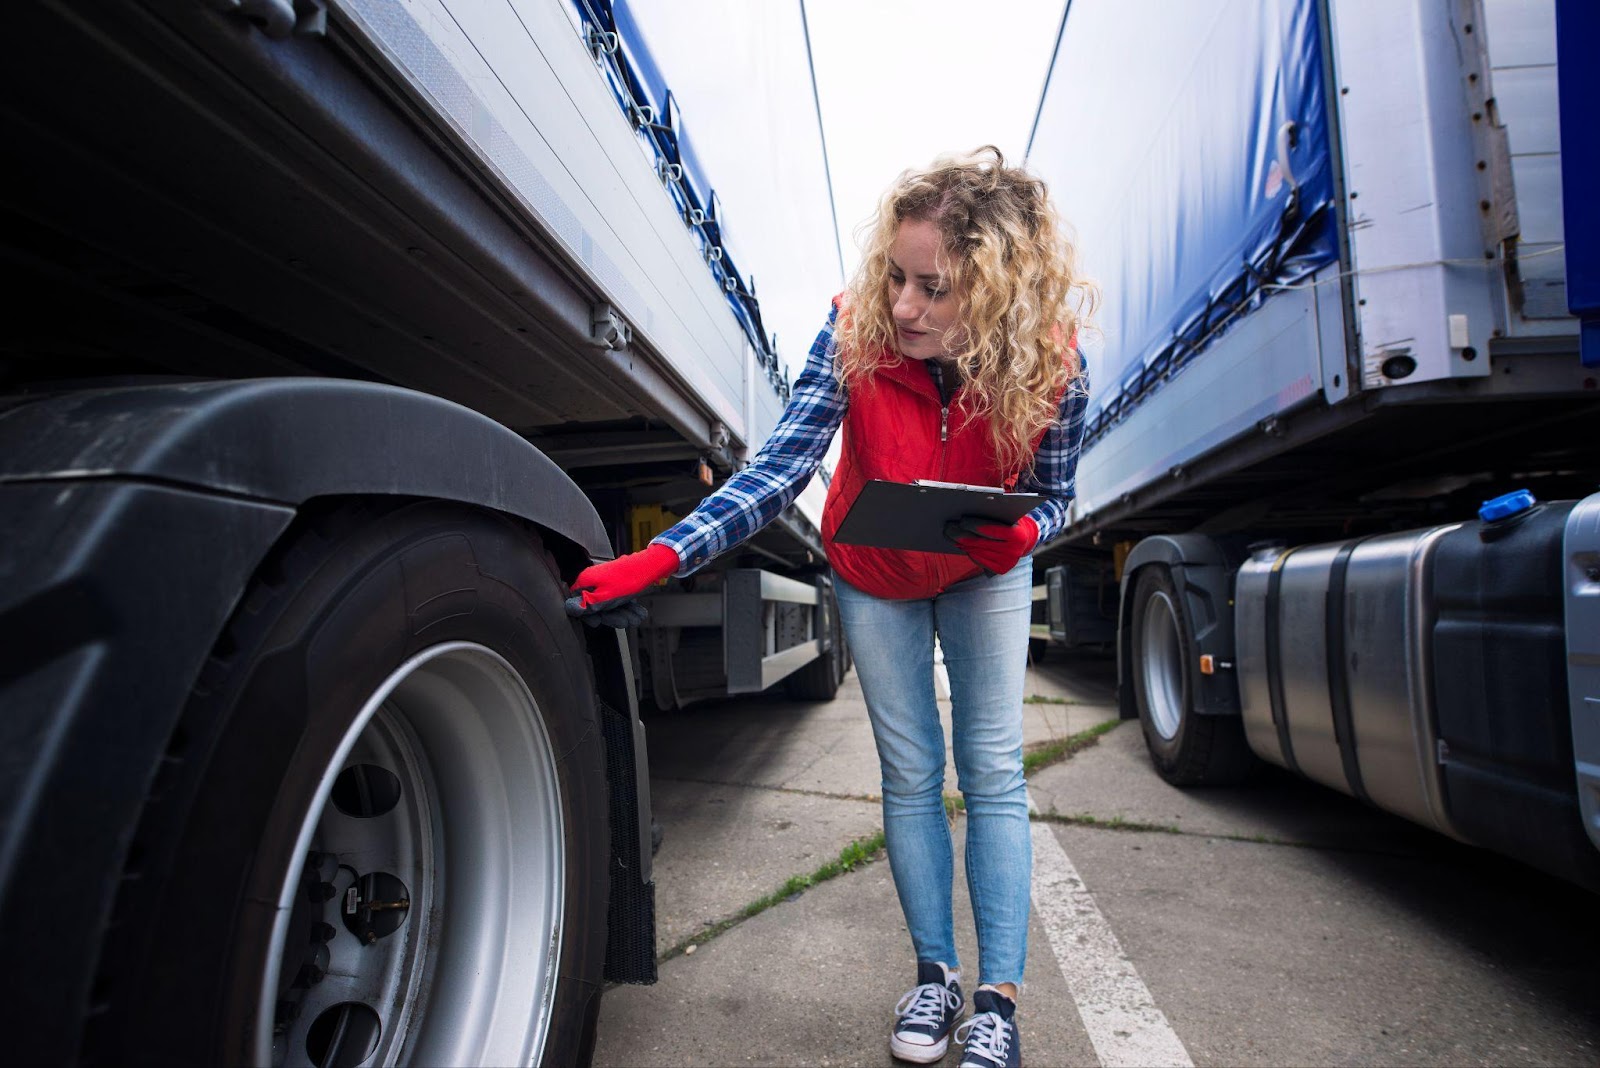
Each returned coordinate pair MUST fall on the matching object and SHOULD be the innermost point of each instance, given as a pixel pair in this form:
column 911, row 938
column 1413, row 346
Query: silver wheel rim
column 474, row 837
column 1162, row 665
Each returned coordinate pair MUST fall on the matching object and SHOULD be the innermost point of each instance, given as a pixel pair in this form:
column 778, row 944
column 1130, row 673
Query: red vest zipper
column 944, row 415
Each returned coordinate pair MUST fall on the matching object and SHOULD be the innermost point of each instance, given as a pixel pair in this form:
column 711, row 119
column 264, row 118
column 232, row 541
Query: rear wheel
column 383, row 834
column 1186, row 748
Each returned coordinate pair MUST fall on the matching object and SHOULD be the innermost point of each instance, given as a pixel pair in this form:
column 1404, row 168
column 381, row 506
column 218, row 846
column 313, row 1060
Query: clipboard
column 912, row 515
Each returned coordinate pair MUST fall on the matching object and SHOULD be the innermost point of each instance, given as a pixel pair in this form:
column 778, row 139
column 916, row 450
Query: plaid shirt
column 759, row 493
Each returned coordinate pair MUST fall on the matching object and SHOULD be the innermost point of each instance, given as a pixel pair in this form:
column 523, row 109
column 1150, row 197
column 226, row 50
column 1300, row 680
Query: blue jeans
column 982, row 624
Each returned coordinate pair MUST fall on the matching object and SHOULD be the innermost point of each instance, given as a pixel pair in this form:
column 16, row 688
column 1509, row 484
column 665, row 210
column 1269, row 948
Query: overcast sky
column 902, row 81
column 899, row 82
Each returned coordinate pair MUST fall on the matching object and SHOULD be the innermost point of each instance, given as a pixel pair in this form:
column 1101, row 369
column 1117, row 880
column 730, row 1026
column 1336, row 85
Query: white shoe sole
column 917, row 1053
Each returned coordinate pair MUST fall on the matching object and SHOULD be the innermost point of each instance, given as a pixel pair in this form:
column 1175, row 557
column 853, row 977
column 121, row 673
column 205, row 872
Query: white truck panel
column 1522, row 33
column 1521, row 38
column 1268, row 363
column 1422, row 161
column 1416, row 237
column 516, row 86
column 762, row 146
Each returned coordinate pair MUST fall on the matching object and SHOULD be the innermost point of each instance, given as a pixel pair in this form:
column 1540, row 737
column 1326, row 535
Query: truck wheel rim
column 1162, row 666
column 441, row 808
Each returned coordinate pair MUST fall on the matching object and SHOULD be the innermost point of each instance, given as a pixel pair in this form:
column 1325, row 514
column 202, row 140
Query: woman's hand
column 993, row 546
column 603, row 593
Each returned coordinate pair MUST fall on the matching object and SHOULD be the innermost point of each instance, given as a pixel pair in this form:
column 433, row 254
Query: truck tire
column 380, row 833
column 1186, row 748
column 820, row 679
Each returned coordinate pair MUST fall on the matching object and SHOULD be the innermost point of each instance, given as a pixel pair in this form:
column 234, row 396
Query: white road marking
column 1126, row 1028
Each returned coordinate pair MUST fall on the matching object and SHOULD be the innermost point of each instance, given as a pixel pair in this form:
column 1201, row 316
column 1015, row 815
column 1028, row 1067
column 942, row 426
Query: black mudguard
column 1203, row 575
column 288, row 440
column 132, row 520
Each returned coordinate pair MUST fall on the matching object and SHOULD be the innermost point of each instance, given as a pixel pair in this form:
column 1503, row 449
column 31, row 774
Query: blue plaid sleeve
column 1055, row 465
column 759, row 493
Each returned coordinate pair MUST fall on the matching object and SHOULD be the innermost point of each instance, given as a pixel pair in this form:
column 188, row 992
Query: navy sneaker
column 925, row 1016
column 991, row 1034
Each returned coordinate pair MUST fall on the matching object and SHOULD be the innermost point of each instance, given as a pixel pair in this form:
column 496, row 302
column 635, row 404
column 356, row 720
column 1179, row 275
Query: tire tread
column 333, row 534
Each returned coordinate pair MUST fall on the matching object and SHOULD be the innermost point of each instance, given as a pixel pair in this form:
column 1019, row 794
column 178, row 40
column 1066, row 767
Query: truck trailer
column 1337, row 505
column 342, row 334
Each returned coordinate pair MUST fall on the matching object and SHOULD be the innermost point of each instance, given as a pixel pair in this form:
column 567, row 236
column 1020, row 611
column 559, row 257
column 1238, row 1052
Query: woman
column 946, row 359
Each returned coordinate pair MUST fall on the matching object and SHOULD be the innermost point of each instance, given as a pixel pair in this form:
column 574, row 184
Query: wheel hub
column 423, row 920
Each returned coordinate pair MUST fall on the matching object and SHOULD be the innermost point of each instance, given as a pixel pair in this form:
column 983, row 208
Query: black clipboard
column 909, row 515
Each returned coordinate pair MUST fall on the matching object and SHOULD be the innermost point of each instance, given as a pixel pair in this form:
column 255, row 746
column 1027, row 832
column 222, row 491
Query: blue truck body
column 1351, row 291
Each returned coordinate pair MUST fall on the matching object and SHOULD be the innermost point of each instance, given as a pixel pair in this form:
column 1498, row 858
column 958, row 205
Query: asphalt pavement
column 1274, row 923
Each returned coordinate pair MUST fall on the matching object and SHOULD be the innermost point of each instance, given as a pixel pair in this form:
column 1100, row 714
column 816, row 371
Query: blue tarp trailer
column 1300, row 213
column 1330, row 236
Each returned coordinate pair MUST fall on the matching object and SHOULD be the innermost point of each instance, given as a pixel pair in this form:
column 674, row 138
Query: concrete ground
column 1277, row 923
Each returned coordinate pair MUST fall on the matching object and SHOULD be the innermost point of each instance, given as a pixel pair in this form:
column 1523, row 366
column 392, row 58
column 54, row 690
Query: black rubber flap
column 631, row 917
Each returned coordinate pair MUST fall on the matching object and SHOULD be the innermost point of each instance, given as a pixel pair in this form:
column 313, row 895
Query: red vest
column 892, row 431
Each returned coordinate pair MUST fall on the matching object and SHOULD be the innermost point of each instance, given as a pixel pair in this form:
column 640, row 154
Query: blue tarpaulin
column 1577, row 34
column 1189, row 146
column 641, row 90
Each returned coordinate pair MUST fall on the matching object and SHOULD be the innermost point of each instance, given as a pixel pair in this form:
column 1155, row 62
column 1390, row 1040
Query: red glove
column 601, row 589
column 993, row 546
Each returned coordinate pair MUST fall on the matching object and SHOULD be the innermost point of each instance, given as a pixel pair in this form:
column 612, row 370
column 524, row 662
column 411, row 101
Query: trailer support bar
column 763, row 637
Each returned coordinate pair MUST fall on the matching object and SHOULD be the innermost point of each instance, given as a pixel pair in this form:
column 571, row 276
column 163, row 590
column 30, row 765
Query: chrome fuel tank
column 1445, row 674
column 1335, row 667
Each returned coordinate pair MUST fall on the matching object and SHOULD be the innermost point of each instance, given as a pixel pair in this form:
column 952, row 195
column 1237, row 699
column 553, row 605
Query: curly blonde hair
column 1013, row 270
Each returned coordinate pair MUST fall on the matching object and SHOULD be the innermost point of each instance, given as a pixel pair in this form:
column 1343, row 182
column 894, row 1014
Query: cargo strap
column 1344, row 729
column 1280, row 712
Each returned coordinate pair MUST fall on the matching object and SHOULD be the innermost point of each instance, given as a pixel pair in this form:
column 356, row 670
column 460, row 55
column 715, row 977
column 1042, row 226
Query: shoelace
column 926, row 1004
column 987, row 1034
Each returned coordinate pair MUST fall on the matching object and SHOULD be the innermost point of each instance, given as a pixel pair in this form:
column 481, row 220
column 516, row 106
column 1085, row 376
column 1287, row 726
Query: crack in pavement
column 1117, row 823
column 873, row 798
column 1070, row 745
column 858, row 853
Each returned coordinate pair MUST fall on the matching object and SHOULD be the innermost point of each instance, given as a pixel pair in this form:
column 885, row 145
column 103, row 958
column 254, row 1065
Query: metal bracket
column 601, row 43
column 756, row 648
column 280, row 19
column 608, row 328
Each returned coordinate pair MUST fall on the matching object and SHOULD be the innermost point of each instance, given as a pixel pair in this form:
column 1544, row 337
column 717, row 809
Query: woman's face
column 923, row 307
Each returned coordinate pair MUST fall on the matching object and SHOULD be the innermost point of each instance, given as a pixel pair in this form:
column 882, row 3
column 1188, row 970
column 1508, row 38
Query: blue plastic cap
column 1507, row 506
